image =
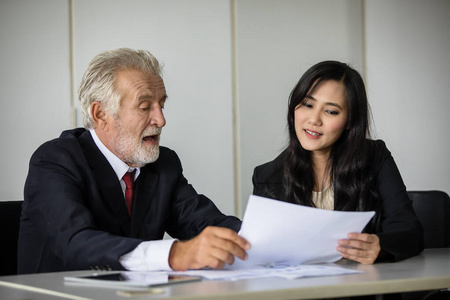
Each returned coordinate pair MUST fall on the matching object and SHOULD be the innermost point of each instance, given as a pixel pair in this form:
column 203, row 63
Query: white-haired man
column 78, row 212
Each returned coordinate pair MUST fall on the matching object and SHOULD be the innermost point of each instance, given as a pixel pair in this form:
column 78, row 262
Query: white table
column 427, row 271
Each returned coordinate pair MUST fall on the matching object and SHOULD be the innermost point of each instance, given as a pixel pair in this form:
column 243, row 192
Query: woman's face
column 321, row 118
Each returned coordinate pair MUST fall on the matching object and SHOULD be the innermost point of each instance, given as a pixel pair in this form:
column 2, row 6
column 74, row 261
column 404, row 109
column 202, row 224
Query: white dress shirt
column 148, row 255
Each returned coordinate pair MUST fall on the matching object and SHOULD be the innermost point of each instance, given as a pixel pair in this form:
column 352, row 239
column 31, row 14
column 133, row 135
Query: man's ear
column 99, row 116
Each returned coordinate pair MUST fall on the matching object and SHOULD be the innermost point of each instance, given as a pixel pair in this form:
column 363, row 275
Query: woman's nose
column 314, row 118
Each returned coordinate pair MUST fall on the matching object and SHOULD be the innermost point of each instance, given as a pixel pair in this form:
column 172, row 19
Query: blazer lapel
column 145, row 186
column 106, row 180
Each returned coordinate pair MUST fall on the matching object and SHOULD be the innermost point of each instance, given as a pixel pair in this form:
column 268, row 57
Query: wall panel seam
column 73, row 111
column 235, row 87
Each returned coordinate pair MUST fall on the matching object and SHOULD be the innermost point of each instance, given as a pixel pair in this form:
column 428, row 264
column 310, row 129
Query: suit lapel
column 145, row 186
column 106, row 180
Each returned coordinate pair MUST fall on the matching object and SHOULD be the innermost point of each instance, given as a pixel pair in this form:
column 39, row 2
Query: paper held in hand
column 291, row 234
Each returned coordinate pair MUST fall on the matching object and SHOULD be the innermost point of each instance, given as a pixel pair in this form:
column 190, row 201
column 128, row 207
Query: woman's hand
column 360, row 247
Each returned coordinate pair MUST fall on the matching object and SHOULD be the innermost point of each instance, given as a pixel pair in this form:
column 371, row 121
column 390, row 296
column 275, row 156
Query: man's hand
column 360, row 247
column 212, row 248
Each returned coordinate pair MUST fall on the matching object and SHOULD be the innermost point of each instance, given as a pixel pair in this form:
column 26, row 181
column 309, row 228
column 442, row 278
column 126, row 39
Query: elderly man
column 102, row 196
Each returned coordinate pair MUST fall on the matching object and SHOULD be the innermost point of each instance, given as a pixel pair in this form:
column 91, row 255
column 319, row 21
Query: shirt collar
column 119, row 167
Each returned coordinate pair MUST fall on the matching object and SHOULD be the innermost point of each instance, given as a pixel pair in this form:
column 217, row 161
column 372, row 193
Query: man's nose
column 157, row 118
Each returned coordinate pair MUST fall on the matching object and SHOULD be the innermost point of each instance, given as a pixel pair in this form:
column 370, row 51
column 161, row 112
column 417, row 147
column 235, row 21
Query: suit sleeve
column 191, row 212
column 256, row 183
column 401, row 233
column 58, row 230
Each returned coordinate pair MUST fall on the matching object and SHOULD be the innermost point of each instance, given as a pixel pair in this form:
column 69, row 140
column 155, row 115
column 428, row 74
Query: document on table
column 281, row 271
column 291, row 234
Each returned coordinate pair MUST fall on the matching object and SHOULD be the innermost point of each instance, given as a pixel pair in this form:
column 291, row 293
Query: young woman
column 331, row 163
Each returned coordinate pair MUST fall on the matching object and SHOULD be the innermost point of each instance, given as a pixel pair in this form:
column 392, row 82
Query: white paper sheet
column 286, row 272
column 291, row 234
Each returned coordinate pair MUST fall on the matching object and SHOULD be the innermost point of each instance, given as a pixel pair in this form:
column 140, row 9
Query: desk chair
column 9, row 233
column 433, row 211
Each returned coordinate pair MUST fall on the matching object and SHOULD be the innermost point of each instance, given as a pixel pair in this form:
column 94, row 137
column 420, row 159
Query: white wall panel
column 34, row 84
column 192, row 39
column 408, row 74
column 408, row 66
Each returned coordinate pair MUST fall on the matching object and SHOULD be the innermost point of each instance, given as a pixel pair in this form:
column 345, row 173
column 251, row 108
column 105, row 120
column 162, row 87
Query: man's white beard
column 131, row 151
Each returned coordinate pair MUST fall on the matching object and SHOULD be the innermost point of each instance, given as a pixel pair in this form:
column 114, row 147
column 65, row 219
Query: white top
column 148, row 255
column 324, row 199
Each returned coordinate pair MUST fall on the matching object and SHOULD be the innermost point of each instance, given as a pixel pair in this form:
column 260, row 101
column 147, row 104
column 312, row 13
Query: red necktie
column 128, row 178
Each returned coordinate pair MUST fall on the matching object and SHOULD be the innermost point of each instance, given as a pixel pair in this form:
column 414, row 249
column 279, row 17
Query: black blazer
column 400, row 233
column 75, row 217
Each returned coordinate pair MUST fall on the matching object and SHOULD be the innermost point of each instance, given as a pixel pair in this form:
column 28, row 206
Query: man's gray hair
column 98, row 82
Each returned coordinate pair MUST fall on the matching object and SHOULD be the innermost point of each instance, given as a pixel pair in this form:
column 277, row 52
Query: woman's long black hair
column 349, row 163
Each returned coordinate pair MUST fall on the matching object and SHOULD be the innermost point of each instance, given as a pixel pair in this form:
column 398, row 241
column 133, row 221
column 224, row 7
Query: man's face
column 133, row 133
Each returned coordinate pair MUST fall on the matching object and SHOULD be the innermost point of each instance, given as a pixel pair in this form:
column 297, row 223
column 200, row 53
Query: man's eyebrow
column 150, row 97
column 145, row 97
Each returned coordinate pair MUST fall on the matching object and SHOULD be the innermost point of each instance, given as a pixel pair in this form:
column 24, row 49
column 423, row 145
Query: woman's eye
column 332, row 112
column 144, row 108
column 304, row 103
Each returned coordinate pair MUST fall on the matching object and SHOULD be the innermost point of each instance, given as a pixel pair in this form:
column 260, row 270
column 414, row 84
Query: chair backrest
column 433, row 211
column 9, row 233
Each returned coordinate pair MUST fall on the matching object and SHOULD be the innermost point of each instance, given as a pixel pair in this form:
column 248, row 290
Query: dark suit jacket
column 400, row 233
column 75, row 217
